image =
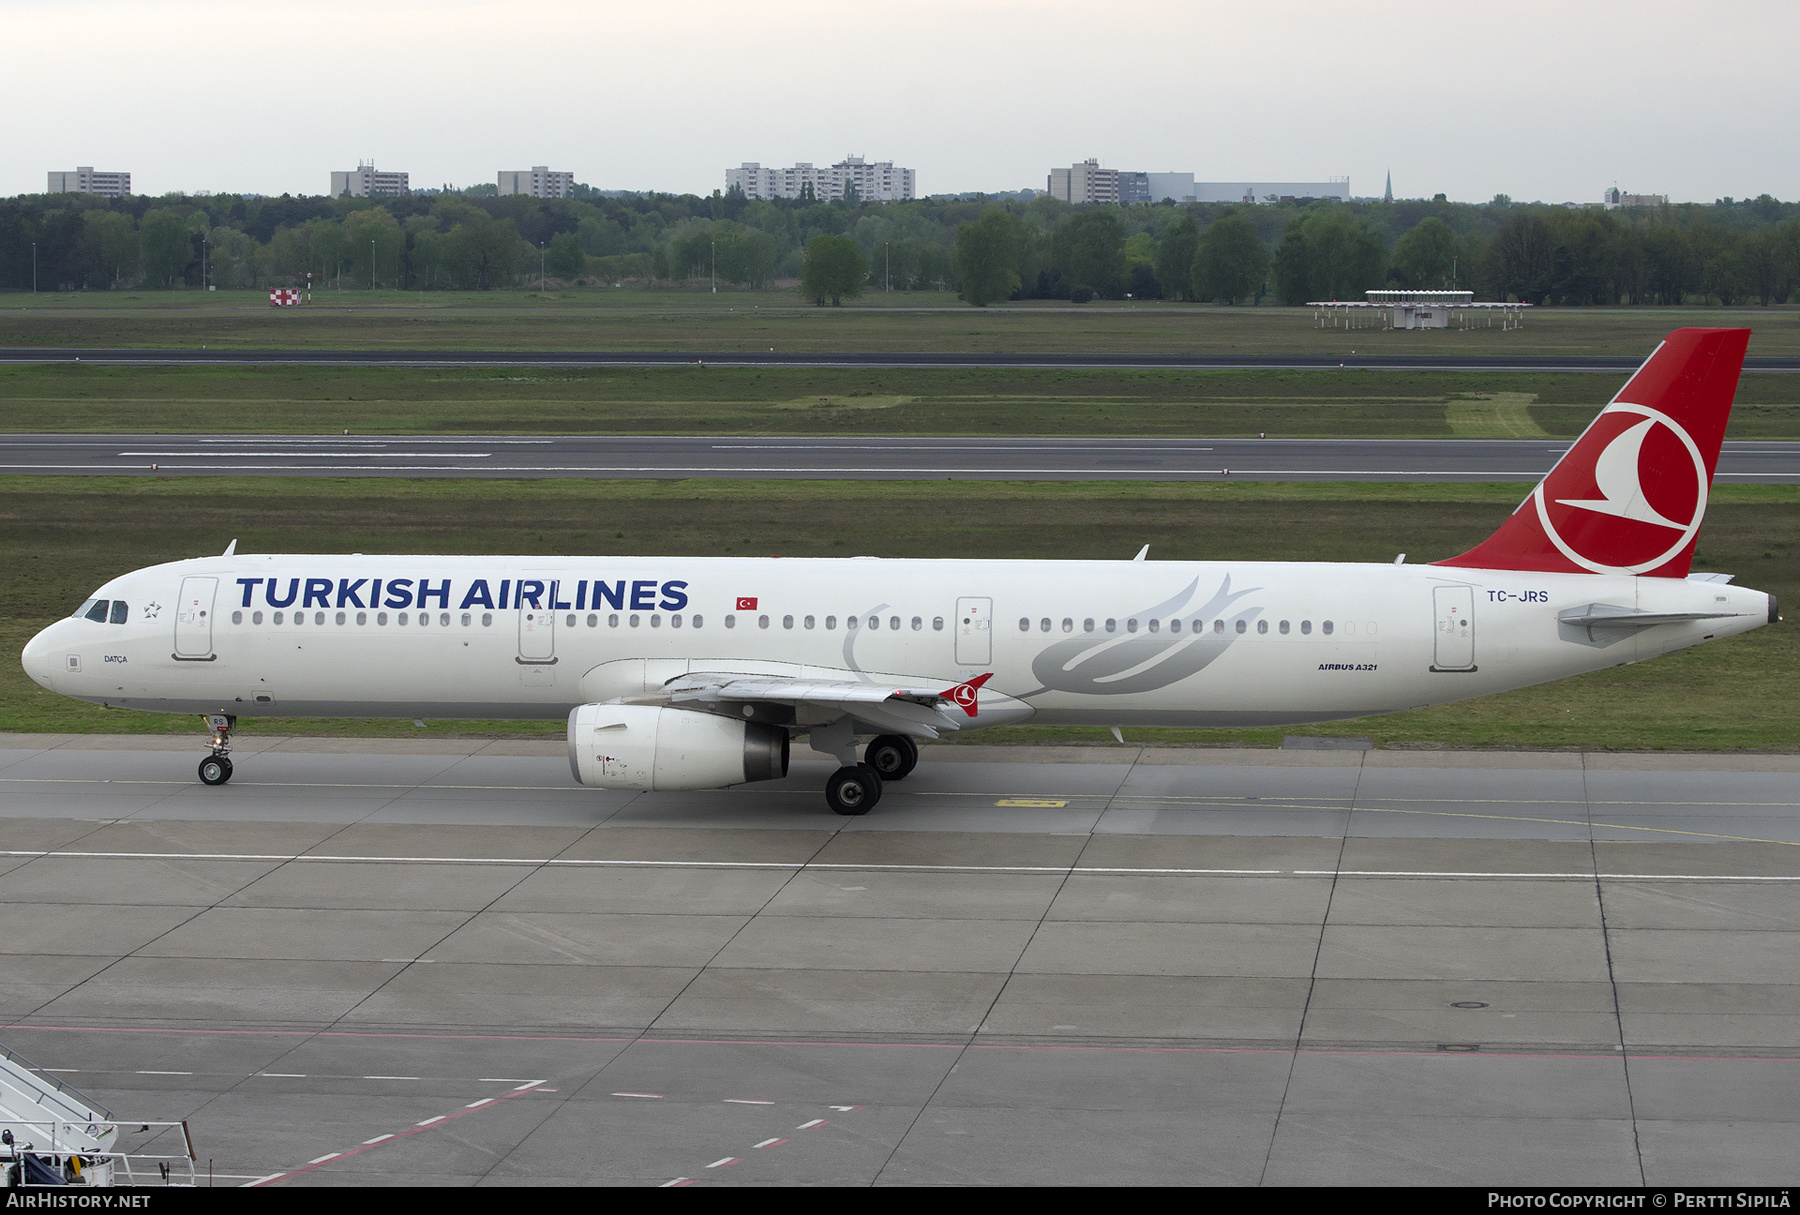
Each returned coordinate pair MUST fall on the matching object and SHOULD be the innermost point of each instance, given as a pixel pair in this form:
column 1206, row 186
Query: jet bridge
column 52, row 1135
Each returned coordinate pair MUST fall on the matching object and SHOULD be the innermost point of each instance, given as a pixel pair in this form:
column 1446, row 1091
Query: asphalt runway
column 437, row 961
column 147, row 357
column 854, row 458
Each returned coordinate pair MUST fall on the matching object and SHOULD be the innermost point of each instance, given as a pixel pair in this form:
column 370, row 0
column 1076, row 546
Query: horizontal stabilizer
column 1609, row 616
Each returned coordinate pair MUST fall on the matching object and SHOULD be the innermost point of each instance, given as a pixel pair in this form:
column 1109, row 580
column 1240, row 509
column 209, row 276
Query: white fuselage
column 1068, row 642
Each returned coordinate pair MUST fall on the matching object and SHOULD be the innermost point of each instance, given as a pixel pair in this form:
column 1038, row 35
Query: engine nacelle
column 646, row 747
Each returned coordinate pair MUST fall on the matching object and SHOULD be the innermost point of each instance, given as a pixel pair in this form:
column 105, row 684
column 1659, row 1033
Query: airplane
column 697, row 672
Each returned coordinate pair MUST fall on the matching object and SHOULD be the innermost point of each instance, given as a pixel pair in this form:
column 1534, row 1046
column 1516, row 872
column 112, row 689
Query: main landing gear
column 215, row 769
column 856, row 788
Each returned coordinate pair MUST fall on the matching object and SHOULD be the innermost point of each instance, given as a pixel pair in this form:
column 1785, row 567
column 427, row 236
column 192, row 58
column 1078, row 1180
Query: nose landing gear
column 215, row 769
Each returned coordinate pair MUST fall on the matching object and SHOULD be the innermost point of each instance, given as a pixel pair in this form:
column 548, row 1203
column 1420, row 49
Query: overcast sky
column 1540, row 99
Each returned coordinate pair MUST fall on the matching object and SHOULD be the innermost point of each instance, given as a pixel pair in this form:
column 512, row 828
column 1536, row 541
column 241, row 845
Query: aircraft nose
column 42, row 656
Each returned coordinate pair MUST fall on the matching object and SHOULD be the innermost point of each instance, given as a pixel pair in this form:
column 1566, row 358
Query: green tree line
column 1729, row 252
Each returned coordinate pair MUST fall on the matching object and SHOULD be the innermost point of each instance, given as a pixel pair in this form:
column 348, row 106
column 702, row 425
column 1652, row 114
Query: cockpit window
column 119, row 611
column 86, row 606
column 97, row 612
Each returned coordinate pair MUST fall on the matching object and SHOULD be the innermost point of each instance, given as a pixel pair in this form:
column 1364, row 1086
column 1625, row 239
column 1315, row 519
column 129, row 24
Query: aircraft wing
column 907, row 710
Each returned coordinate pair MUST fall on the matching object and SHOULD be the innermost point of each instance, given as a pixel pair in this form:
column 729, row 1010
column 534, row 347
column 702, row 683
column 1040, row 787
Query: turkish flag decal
column 746, row 603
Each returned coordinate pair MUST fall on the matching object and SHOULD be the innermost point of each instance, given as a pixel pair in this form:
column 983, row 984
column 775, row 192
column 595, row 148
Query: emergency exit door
column 194, row 618
column 1454, row 648
column 974, row 632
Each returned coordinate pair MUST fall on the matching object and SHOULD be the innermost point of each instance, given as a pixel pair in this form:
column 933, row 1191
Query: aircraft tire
column 892, row 755
column 853, row 789
column 215, row 770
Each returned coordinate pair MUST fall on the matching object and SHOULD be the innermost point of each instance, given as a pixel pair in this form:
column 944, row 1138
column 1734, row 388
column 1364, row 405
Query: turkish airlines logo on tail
column 1636, row 503
column 964, row 693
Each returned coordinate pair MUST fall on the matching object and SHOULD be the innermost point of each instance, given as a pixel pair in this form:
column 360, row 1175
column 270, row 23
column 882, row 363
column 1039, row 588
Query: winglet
column 230, row 549
column 963, row 694
column 1142, row 553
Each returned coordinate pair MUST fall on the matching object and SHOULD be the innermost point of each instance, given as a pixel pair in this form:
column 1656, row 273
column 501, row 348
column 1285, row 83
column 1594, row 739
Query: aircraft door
column 1454, row 648
column 974, row 632
column 537, row 634
column 193, row 618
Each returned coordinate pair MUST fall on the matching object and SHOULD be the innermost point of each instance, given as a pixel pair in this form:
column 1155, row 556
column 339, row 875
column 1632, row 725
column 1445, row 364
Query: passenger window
column 937, row 624
column 277, row 617
column 762, row 622
column 1068, row 625
column 593, row 621
column 1325, row 627
column 380, row 618
column 831, row 622
column 894, row 623
column 1262, row 627
column 1087, row 626
column 97, row 613
column 1243, row 626
column 1024, row 624
column 1131, row 625
column 1155, row 625
column 809, row 622
column 362, row 618
column 731, row 622
column 874, row 622
column 424, row 619
column 444, row 619
column 918, row 623
column 342, row 617
column 1219, row 626
column 1305, row 627
column 633, row 622
column 787, row 622
column 1112, row 626
column 467, row 619
column 1044, row 625
column 255, row 617
column 698, row 620
column 487, row 620
column 237, row 618
column 850, row 622
column 568, row 621
column 675, row 621
column 655, row 621
column 399, row 618
column 119, row 609
column 1174, row 624
column 612, row 621
column 1284, row 628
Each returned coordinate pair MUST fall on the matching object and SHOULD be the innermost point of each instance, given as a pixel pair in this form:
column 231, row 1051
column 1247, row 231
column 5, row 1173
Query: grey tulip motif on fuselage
column 1098, row 664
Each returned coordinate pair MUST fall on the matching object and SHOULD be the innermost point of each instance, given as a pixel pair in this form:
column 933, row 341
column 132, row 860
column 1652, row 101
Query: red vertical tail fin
column 1628, row 497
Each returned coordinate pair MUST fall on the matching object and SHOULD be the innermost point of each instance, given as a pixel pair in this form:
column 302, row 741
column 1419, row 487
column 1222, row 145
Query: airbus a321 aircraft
column 695, row 673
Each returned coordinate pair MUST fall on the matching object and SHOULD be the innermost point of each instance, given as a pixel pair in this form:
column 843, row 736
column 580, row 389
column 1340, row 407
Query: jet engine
column 647, row 747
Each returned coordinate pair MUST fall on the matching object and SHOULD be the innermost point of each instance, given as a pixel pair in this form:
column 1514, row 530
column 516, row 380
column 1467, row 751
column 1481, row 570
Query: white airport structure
column 1405, row 309
column 1087, row 182
column 874, row 181
column 51, row 1135
column 366, row 181
column 539, row 181
column 88, row 180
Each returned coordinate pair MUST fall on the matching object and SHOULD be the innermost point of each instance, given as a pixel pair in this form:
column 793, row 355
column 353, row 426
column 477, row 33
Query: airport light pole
column 371, row 265
column 715, row 266
column 540, row 267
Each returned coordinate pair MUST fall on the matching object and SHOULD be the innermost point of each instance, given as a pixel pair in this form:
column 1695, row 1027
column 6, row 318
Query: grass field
column 703, row 400
column 761, row 321
column 61, row 538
